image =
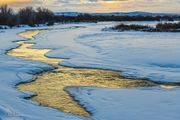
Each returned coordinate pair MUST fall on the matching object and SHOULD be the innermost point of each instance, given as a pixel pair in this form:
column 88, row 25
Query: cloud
column 114, row 5
column 14, row 1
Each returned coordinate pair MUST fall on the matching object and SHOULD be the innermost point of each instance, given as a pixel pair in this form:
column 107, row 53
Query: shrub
column 161, row 27
column 44, row 16
column 27, row 16
column 6, row 16
column 124, row 27
column 167, row 26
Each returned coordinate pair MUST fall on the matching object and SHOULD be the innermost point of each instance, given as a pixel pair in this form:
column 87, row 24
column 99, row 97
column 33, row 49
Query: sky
column 166, row 6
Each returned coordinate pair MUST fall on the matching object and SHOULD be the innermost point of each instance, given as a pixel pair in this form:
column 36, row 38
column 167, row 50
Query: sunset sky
column 100, row 5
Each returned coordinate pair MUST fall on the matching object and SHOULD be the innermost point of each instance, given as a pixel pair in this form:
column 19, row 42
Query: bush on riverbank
column 124, row 27
column 167, row 26
column 161, row 27
column 26, row 16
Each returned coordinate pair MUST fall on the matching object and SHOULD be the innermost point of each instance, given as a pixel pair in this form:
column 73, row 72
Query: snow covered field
column 155, row 56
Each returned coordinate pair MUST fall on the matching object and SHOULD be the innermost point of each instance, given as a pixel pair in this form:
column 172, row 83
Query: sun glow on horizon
column 99, row 5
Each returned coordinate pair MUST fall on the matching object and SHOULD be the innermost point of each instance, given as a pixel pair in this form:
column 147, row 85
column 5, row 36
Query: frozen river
column 154, row 56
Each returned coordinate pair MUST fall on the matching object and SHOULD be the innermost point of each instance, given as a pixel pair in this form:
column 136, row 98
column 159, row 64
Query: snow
column 129, row 104
column 155, row 56
column 13, row 71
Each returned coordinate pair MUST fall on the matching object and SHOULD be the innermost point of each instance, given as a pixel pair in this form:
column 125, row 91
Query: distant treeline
column 34, row 17
column 161, row 27
column 94, row 18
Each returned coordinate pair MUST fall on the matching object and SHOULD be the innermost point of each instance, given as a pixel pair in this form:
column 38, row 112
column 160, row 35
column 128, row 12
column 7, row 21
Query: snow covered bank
column 15, row 70
column 146, row 55
column 129, row 104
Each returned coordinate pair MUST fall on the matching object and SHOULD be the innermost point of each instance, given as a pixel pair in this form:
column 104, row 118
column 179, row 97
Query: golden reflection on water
column 49, row 86
column 27, row 53
column 169, row 86
column 30, row 34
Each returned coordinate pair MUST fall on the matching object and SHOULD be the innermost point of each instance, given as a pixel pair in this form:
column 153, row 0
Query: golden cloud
column 14, row 1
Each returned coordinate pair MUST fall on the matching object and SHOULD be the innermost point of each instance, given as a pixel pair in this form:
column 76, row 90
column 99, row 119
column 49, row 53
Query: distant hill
column 137, row 13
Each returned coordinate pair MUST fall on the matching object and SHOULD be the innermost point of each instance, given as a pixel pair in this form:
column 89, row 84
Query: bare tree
column 27, row 16
column 6, row 15
column 44, row 15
